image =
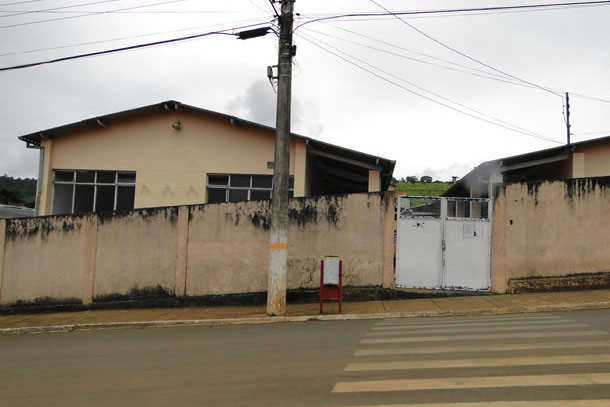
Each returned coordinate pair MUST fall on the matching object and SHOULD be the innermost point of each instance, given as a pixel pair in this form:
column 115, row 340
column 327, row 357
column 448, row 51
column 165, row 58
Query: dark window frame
column 95, row 184
column 250, row 188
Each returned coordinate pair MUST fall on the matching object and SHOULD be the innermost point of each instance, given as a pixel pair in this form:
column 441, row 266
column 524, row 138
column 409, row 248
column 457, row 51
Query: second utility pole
column 278, row 248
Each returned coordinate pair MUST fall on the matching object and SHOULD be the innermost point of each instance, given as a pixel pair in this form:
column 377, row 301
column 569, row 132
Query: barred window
column 81, row 191
column 242, row 187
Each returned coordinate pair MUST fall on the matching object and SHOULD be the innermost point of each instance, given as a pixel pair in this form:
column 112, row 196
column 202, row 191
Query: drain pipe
column 39, row 180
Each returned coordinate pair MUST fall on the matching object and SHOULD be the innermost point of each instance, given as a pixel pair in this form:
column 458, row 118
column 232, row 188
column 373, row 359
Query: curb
column 305, row 318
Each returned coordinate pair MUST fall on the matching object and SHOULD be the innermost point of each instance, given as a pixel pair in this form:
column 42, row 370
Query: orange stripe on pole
column 278, row 246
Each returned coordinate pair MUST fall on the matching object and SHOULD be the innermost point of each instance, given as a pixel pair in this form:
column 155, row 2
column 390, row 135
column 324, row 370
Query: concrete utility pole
column 278, row 253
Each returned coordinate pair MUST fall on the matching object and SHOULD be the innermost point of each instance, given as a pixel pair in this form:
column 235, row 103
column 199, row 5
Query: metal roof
column 10, row 211
column 516, row 162
column 334, row 160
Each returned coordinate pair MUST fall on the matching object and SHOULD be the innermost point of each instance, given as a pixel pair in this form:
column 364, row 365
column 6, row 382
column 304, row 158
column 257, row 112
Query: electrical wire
column 429, row 15
column 498, row 122
column 450, row 11
column 592, row 133
column 274, row 9
column 90, row 14
column 19, row 13
column 142, row 12
column 20, row 2
column 597, row 99
column 228, row 31
column 464, row 54
column 465, row 69
column 428, row 91
column 248, row 21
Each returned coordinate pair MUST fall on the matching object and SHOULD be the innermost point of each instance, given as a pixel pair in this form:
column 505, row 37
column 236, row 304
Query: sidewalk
column 163, row 317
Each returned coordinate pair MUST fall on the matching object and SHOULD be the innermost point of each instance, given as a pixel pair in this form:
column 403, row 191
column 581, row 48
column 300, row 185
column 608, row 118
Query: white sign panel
column 331, row 270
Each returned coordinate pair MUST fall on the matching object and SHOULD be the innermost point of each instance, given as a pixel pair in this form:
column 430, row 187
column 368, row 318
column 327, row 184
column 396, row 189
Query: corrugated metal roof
column 363, row 160
column 485, row 168
column 9, row 211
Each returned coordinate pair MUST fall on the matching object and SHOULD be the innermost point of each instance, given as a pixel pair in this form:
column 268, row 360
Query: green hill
column 422, row 188
column 17, row 191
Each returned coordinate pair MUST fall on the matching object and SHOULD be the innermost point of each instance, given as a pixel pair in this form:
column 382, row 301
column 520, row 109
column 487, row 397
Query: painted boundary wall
column 195, row 250
column 549, row 233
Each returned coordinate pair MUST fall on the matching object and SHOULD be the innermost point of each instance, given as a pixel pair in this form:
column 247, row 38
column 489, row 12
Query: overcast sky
column 389, row 100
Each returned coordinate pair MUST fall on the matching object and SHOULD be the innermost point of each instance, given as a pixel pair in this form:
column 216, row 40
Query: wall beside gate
column 546, row 234
column 195, row 250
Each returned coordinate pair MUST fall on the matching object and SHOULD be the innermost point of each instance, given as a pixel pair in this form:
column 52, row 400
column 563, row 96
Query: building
column 11, row 211
column 590, row 158
column 171, row 153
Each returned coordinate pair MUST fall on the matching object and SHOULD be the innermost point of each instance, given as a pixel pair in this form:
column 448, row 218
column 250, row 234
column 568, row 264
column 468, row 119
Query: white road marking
column 437, row 320
column 538, row 327
column 481, row 348
column 453, row 383
column 482, row 362
column 537, row 403
column 522, row 335
column 470, row 324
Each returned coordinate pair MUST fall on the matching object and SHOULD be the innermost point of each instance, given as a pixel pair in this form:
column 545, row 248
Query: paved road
column 536, row 360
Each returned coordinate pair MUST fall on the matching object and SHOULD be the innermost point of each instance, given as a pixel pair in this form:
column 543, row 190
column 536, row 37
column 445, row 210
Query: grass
column 422, row 189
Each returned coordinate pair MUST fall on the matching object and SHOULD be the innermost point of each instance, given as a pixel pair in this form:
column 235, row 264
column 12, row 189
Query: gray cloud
column 258, row 104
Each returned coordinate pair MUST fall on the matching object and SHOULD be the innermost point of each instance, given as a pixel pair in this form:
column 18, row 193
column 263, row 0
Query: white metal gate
column 443, row 243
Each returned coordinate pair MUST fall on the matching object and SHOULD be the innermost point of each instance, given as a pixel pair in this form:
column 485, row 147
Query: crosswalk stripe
column 480, row 348
column 437, row 320
column 475, row 329
column 443, row 338
column 470, row 324
column 482, row 362
column 537, row 403
column 472, row 382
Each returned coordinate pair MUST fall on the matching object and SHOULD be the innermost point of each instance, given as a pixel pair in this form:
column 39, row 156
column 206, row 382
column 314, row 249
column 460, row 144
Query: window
column 242, row 187
column 80, row 191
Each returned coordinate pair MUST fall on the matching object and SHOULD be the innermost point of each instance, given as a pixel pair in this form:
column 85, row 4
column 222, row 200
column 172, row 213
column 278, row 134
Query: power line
column 137, row 12
column 464, row 54
column 450, row 11
column 592, row 133
column 368, row 16
column 428, row 91
column 129, row 48
column 495, row 123
column 90, row 14
column 19, row 13
column 597, row 99
column 465, row 69
column 274, row 9
column 20, row 2
column 248, row 21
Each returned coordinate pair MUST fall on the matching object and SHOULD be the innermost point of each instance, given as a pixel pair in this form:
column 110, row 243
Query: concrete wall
column 171, row 165
column 46, row 258
column 194, row 250
column 550, row 229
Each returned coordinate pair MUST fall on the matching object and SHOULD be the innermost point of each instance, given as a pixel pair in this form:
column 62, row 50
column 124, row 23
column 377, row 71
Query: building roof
column 9, row 211
column 339, row 162
column 519, row 162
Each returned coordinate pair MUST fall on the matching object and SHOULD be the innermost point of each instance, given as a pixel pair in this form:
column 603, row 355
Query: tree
column 412, row 179
column 426, row 178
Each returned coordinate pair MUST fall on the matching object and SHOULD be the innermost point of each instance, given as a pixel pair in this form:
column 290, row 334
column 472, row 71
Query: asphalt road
column 514, row 360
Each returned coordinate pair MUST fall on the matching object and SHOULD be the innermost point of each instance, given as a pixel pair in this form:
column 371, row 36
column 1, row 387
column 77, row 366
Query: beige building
column 585, row 159
column 175, row 154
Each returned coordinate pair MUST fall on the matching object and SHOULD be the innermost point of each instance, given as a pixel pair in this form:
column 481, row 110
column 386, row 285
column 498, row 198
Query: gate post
column 441, row 282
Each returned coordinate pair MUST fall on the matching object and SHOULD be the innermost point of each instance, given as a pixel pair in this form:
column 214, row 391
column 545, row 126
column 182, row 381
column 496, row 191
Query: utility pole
column 568, row 115
column 278, row 248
